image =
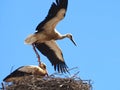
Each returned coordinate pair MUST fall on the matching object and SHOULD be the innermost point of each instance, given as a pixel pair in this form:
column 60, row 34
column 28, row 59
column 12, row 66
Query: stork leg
column 38, row 56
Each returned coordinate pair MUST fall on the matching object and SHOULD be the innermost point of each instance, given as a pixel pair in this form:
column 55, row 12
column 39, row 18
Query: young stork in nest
column 46, row 34
column 19, row 73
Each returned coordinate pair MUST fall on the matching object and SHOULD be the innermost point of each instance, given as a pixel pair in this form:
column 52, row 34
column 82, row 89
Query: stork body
column 46, row 34
column 19, row 73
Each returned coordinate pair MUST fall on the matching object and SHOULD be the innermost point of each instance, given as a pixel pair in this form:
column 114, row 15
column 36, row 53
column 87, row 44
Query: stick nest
column 48, row 83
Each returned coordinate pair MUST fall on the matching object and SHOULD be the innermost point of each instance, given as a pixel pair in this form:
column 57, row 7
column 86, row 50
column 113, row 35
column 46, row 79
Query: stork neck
column 64, row 36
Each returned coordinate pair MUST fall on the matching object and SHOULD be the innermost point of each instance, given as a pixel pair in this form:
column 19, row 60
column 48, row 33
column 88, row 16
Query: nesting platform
column 48, row 83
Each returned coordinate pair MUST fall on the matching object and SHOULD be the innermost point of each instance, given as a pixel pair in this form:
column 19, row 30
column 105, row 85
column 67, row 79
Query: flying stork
column 46, row 34
column 22, row 71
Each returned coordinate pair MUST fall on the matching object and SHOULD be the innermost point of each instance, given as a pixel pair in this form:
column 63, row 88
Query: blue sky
column 95, row 25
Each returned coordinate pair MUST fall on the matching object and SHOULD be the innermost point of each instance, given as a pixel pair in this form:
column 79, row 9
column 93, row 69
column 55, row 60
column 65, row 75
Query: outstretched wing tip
column 61, row 67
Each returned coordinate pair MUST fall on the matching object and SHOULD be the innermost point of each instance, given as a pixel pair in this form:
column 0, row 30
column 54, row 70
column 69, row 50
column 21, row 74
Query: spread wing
column 55, row 14
column 54, row 54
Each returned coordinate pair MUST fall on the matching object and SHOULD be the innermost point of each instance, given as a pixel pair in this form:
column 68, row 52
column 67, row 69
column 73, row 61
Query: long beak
column 73, row 41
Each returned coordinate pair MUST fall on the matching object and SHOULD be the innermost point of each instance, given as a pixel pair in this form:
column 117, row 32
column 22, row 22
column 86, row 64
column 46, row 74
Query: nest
column 48, row 83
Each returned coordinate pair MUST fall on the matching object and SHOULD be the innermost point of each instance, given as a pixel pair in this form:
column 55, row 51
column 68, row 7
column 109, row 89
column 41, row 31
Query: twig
column 56, row 73
column 3, row 88
column 75, row 75
column 72, row 68
column 11, row 69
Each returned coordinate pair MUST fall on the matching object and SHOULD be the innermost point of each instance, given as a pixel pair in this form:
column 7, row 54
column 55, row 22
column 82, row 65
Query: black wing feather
column 58, row 64
column 54, row 9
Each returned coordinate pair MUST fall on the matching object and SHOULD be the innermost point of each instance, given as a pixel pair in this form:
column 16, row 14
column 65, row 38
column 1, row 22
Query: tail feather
column 30, row 39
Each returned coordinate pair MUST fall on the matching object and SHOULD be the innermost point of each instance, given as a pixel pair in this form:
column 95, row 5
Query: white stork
column 46, row 34
column 19, row 73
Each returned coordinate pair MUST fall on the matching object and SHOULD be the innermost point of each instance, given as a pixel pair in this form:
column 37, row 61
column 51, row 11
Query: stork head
column 42, row 65
column 71, row 38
